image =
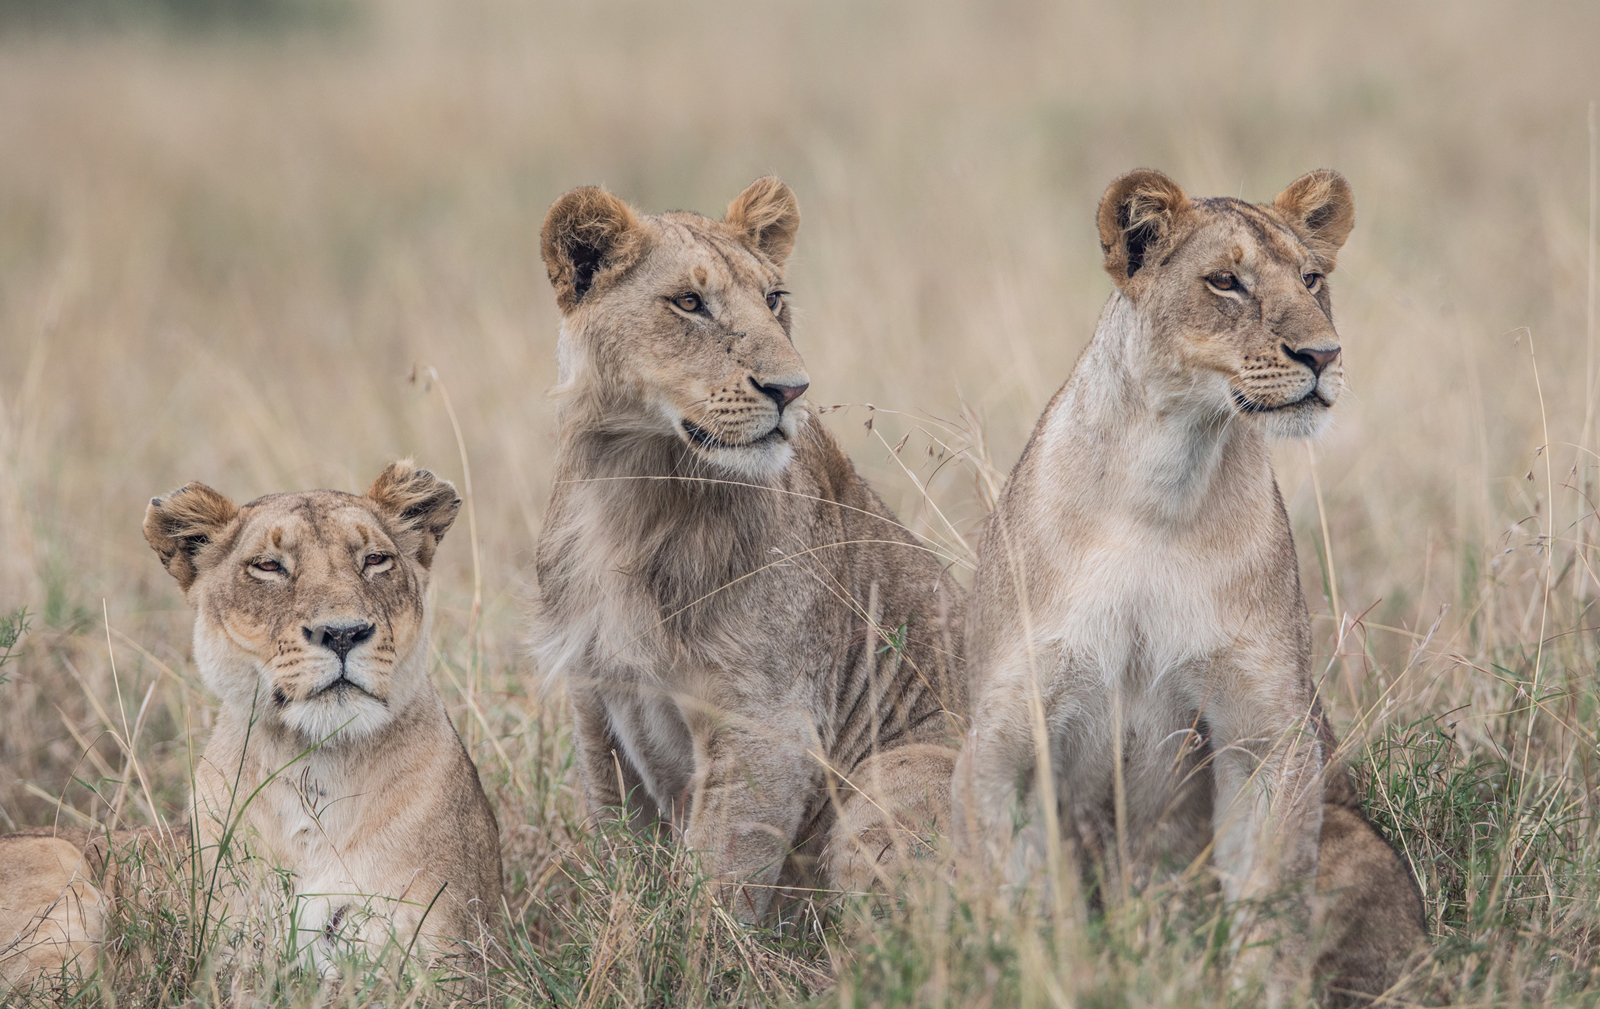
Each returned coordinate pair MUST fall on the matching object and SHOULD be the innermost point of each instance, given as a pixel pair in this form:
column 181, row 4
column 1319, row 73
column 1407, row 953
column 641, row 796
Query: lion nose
column 339, row 638
column 783, row 395
column 1315, row 358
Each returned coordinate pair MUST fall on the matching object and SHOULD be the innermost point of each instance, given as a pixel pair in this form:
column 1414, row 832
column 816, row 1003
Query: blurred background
column 232, row 233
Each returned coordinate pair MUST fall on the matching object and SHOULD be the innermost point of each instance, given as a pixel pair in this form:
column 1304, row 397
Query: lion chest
column 1131, row 608
column 340, row 889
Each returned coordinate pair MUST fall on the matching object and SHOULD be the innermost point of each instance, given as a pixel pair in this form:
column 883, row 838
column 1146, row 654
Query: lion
column 758, row 655
column 1138, row 596
column 52, row 914
column 333, row 757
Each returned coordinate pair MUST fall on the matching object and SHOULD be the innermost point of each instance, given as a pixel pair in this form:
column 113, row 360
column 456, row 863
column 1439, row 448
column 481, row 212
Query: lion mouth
column 1248, row 405
column 705, row 439
column 340, row 687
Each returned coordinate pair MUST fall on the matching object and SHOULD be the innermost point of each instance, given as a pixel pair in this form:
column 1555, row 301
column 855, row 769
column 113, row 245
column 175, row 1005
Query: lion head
column 677, row 326
column 309, row 605
column 1235, row 295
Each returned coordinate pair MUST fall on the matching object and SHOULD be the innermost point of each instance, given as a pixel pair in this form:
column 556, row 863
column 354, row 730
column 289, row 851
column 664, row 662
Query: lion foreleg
column 612, row 787
column 751, row 786
column 999, row 812
column 1267, row 821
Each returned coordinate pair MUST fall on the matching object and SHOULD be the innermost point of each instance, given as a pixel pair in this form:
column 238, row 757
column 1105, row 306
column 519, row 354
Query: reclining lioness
column 332, row 758
column 756, row 651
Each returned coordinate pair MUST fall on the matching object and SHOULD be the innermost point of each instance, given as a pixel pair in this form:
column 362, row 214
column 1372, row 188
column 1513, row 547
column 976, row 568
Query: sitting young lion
column 1138, row 583
column 333, row 757
column 756, row 651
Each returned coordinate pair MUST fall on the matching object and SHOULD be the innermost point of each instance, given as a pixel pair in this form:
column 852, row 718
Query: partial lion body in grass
column 756, row 651
column 1138, row 592
column 332, row 757
column 51, row 913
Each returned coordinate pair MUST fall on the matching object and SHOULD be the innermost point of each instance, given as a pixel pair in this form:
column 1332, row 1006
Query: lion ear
column 588, row 234
column 1139, row 211
column 768, row 215
column 1322, row 209
column 420, row 507
column 183, row 522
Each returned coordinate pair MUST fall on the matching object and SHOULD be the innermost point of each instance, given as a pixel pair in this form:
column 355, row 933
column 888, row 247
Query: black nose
column 1314, row 358
column 783, row 395
column 339, row 638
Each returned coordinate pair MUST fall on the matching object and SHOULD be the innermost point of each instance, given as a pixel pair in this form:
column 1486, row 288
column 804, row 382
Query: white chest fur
column 304, row 875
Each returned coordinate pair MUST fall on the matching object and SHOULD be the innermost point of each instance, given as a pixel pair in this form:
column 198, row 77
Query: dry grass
column 222, row 255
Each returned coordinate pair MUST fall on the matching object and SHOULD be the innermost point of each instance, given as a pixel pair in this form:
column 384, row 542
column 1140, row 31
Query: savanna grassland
column 276, row 249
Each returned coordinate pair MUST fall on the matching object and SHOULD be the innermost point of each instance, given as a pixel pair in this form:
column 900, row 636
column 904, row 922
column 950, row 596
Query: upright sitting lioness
column 1138, row 594
column 756, row 651
column 333, row 758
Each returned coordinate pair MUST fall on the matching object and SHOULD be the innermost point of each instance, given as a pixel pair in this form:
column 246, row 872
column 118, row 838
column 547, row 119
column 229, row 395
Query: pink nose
column 1315, row 358
column 783, row 395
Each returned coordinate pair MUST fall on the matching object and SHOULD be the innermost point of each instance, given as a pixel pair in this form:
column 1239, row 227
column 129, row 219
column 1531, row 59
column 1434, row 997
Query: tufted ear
column 1137, row 214
column 420, row 507
column 178, row 525
column 588, row 234
column 1322, row 209
column 768, row 215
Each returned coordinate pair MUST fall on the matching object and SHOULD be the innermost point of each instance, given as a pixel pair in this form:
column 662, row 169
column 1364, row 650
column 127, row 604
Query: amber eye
column 1311, row 280
column 373, row 560
column 1223, row 281
column 268, row 566
column 688, row 302
column 774, row 300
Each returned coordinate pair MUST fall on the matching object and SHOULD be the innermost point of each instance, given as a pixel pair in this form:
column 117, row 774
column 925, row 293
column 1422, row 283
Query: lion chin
column 759, row 459
column 342, row 709
column 1307, row 417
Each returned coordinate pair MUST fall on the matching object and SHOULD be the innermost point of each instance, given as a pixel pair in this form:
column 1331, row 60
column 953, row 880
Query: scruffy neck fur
column 682, row 530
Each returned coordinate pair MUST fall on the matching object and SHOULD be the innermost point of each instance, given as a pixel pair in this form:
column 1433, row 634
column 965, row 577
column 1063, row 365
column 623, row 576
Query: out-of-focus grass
column 223, row 253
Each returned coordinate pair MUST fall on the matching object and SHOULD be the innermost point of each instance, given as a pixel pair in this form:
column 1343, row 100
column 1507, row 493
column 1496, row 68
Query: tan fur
column 386, row 811
column 1138, row 588
column 57, row 888
column 756, row 652
column 312, row 630
column 1369, row 929
column 51, row 914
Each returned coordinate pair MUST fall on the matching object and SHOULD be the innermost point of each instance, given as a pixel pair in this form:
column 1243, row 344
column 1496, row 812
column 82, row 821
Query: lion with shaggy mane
column 756, row 652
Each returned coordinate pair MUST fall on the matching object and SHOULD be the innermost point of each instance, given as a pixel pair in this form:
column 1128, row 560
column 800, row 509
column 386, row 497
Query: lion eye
column 774, row 300
column 373, row 560
column 1311, row 280
column 1223, row 281
column 267, row 566
column 688, row 302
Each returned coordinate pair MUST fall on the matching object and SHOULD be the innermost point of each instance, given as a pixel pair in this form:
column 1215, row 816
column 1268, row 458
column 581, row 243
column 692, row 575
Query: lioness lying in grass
column 333, row 768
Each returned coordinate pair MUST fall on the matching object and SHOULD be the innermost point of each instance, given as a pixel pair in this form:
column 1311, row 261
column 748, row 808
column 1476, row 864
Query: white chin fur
column 1304, row 420
column 759, row 463
column 756, row 463
column 326, row 717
